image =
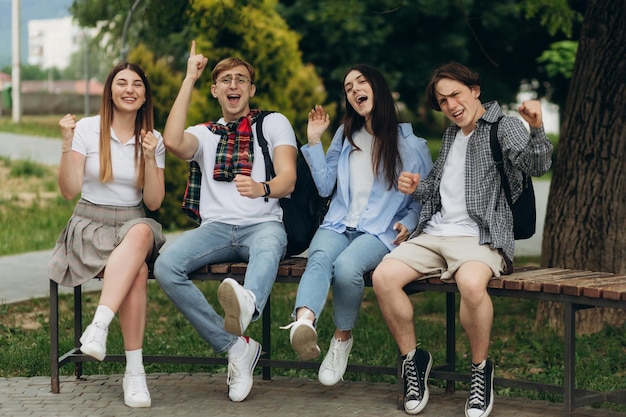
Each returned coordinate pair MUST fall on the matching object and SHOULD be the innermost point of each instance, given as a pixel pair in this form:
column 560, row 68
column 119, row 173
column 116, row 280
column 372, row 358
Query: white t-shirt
column 453, row 219
column 361, row 176
column 219, row 200
column 122, row 190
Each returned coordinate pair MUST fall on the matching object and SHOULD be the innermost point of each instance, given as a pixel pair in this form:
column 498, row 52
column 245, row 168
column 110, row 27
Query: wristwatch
column 266, row 187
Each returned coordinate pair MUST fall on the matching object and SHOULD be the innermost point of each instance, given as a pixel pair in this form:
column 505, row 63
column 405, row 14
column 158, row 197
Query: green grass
column 44, row 126
column 32, row 211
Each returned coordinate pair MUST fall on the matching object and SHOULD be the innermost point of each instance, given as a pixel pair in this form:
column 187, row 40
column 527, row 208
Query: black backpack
column 523, row 209
column 305, row 210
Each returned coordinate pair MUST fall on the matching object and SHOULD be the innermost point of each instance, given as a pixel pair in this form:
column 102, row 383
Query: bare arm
column 282, row 184
column 154, row 181
column 184, row 145
column 72, row 164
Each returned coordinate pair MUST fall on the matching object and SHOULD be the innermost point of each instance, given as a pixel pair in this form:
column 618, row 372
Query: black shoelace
column 477, row 389
column 411, row 380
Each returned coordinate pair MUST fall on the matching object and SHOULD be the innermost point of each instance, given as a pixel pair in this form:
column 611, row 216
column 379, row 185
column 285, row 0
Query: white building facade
column 51, row 42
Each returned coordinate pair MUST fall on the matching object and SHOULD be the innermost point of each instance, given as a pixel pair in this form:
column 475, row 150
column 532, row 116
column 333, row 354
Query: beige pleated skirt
column 92, row 232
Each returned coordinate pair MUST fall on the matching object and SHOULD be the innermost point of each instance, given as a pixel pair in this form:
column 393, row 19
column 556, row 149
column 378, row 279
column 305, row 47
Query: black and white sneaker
column 480, row 399
column 415, row 371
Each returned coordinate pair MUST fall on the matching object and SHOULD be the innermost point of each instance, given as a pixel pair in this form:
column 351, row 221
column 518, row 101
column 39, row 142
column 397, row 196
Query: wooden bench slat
column 577, row 286
column 516, row 280
column 596, row 289
column 556, row 286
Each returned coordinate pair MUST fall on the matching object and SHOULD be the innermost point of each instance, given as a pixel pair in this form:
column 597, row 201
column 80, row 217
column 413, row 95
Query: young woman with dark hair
column 367, row 216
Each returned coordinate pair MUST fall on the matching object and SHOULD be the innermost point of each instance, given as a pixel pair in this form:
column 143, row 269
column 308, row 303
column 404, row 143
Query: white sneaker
column 136, row 392
column 238, row 306
column 94, row 341
column 303, row 339
column 336, row 361
column 240, row 371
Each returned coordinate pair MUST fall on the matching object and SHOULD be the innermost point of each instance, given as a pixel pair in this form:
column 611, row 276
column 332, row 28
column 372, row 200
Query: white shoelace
column 98, row 333
column 333, row 361
column 409, row 373
column 233, row 372
column 477, row 389
column 136, row 384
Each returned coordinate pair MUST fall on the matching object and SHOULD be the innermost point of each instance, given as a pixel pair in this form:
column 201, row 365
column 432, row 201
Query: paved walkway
column 24, row 277
column 206, row 395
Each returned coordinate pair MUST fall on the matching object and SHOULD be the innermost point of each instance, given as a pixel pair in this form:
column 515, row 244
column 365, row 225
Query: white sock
column 238, row 348
column 103, row 315
column 134, row 361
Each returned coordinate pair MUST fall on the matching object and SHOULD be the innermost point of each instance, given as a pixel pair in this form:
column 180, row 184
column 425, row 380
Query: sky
column 29, row 10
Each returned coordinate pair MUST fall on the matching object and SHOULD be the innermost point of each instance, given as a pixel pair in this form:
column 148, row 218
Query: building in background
column 51, row 42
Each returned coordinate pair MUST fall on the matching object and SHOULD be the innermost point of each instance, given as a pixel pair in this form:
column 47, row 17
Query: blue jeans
column 261, row 245
column 341, row 259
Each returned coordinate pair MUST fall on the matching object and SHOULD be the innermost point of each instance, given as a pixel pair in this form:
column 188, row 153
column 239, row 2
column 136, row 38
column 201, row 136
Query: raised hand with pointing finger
column 196, row 63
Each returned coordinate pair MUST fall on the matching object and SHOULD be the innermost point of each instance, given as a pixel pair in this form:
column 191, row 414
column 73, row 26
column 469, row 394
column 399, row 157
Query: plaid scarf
column 235, row 150
column 234, row 155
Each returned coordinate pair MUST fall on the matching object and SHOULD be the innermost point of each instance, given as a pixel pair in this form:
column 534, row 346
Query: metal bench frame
column 527, row 283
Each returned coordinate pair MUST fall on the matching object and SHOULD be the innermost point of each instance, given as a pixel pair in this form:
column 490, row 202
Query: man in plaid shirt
column 465, row 232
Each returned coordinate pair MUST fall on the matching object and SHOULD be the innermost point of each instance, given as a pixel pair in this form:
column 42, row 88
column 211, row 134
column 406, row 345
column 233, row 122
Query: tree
column 499, row 38
column 586, row 218
column 249, row 29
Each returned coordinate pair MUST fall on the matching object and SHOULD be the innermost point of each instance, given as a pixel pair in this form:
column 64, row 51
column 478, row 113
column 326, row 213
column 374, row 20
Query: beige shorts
column 434, row 255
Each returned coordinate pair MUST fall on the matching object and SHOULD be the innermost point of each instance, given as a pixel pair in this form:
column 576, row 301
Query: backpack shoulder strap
column 496, row 152
column 269, row 165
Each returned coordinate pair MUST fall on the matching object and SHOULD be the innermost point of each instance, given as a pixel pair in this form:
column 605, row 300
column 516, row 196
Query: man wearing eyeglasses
column 238, row 211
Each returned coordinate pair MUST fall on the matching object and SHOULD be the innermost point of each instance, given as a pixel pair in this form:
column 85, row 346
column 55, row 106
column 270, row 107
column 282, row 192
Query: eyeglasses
column 240, row 79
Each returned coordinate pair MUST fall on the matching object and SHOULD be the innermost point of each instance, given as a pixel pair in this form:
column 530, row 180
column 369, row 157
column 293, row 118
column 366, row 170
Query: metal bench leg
column 450, row 339
column 569, row 374
column 266, row 336
column 78, row 326
column 54, row 337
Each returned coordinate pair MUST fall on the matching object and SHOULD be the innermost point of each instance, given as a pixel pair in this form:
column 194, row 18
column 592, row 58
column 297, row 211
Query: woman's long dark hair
column 385, row 156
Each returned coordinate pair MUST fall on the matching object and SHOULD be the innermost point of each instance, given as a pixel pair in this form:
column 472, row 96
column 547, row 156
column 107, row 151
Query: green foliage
column 555, row 15
column 256, row 33
column 27, row 168
column 559, row 59
column 405, row 40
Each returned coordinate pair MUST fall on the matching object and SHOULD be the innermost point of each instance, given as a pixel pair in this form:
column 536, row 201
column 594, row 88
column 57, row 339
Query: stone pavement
column 206, row 395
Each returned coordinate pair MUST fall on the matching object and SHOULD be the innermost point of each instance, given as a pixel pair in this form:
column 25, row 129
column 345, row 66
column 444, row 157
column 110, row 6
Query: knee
column 346, row 276
column 379, row 283
column 164, row 269
column 473, row 296
column 142, row 234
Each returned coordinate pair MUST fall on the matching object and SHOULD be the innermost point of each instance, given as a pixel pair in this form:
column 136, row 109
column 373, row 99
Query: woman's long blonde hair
column 143, row 120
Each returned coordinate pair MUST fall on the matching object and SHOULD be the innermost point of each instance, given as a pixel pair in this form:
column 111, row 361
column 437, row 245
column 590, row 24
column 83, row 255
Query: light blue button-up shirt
column 385, row 206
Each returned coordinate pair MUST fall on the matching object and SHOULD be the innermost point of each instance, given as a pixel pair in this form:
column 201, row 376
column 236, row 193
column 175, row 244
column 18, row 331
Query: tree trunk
column 585, row 224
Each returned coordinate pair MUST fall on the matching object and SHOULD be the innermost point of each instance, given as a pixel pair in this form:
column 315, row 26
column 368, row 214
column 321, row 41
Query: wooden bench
column 576, row 290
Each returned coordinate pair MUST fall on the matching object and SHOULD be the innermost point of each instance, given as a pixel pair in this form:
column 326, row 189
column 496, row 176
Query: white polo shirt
column 122, row 190
column 219, row 200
